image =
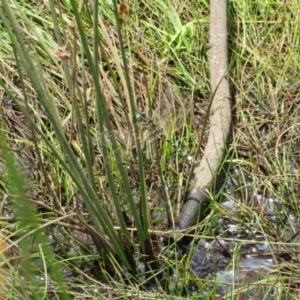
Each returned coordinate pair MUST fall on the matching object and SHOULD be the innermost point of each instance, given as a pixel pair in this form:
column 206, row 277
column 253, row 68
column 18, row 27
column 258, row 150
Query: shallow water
column 242, row 265
column 245, row 276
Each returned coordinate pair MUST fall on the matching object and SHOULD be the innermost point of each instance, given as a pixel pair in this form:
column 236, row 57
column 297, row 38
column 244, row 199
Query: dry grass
column 3, row 272
column 168, row 69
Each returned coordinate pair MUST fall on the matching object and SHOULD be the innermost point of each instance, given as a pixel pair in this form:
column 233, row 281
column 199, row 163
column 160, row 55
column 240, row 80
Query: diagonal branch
column 220, row 119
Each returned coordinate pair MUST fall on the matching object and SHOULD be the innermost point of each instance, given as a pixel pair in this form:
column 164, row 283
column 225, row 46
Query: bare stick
column 220, row 119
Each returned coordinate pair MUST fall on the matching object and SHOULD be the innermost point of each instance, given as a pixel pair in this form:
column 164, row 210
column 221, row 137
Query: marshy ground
column 247, row 247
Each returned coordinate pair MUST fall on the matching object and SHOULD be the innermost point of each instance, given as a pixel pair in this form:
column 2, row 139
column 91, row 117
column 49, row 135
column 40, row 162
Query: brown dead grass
column 3, row 273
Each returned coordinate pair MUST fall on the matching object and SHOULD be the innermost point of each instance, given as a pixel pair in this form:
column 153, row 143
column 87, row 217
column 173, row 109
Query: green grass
column 73, row 173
